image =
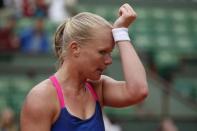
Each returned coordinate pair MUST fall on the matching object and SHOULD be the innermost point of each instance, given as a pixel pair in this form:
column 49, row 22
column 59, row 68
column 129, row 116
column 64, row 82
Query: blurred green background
column 165, row 37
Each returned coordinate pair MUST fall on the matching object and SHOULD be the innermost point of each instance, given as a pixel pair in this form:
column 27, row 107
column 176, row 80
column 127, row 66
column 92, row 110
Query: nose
column 108, row 59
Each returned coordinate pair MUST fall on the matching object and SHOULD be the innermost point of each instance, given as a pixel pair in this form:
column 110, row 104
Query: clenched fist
column 126, row 16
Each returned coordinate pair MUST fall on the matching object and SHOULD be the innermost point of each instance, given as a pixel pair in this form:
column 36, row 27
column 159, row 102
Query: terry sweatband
column 120, row 34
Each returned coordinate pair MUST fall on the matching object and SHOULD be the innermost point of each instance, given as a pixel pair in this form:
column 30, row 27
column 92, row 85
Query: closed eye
column 102, row 52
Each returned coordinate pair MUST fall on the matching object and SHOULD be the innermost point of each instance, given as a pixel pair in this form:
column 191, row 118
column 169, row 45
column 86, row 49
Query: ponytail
column 58, row 42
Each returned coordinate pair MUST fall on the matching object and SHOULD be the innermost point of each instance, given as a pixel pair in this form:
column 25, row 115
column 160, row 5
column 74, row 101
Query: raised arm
column 134, row 89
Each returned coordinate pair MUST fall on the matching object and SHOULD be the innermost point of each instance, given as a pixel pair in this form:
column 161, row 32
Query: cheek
column 90, row 61
column 95, row 57
column 92, row 58
column 94, row 63
column 99, row 59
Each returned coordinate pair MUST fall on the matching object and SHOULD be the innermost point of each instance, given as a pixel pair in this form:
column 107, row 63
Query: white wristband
column 120, row 34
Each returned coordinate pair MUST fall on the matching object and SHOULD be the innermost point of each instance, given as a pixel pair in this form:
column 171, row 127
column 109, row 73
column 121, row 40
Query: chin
column 94, row 78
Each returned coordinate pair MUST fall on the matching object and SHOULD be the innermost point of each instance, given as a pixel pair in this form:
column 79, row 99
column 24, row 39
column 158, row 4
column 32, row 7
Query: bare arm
column 134, row 89
column 36, row 113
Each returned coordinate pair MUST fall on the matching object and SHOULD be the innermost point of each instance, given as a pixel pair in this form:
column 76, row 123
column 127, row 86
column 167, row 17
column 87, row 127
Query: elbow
column 145, row 90
column 140, row 93
column 143, row 93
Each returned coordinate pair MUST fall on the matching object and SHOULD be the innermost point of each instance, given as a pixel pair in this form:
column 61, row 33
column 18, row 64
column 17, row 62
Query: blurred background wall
column 164, row 35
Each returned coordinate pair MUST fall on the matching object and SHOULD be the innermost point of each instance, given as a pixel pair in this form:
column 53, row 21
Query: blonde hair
column 78, row 28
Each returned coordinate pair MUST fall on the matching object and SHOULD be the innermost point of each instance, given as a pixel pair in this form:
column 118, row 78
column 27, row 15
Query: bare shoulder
column 98, row 83
column 106, row 78
column 40, row 101
column 110, row 82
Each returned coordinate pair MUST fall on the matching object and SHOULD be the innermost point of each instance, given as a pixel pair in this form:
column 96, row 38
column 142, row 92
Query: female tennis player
column 73, row 97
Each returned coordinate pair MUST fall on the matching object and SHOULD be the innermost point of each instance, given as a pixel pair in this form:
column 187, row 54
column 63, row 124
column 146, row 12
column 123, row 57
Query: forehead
column 103, row 39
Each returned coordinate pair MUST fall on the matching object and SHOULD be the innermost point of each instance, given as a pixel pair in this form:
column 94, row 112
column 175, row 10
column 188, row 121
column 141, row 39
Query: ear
column 74, row 48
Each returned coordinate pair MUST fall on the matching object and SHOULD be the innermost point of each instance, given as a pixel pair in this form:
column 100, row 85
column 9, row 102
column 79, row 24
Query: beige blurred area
column 7, row 120
column 164, row 36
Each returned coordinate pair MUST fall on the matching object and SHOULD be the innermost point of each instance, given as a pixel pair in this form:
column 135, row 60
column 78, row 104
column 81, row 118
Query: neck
column 70, row 78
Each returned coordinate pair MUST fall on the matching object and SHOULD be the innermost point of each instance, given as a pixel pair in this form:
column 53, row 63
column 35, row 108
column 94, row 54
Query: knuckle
column 126, row 4
column 131, row 15
column 135, row 15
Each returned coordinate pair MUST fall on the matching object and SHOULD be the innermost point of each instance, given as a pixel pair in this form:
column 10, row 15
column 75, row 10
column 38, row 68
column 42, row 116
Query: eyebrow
column 107, row 48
